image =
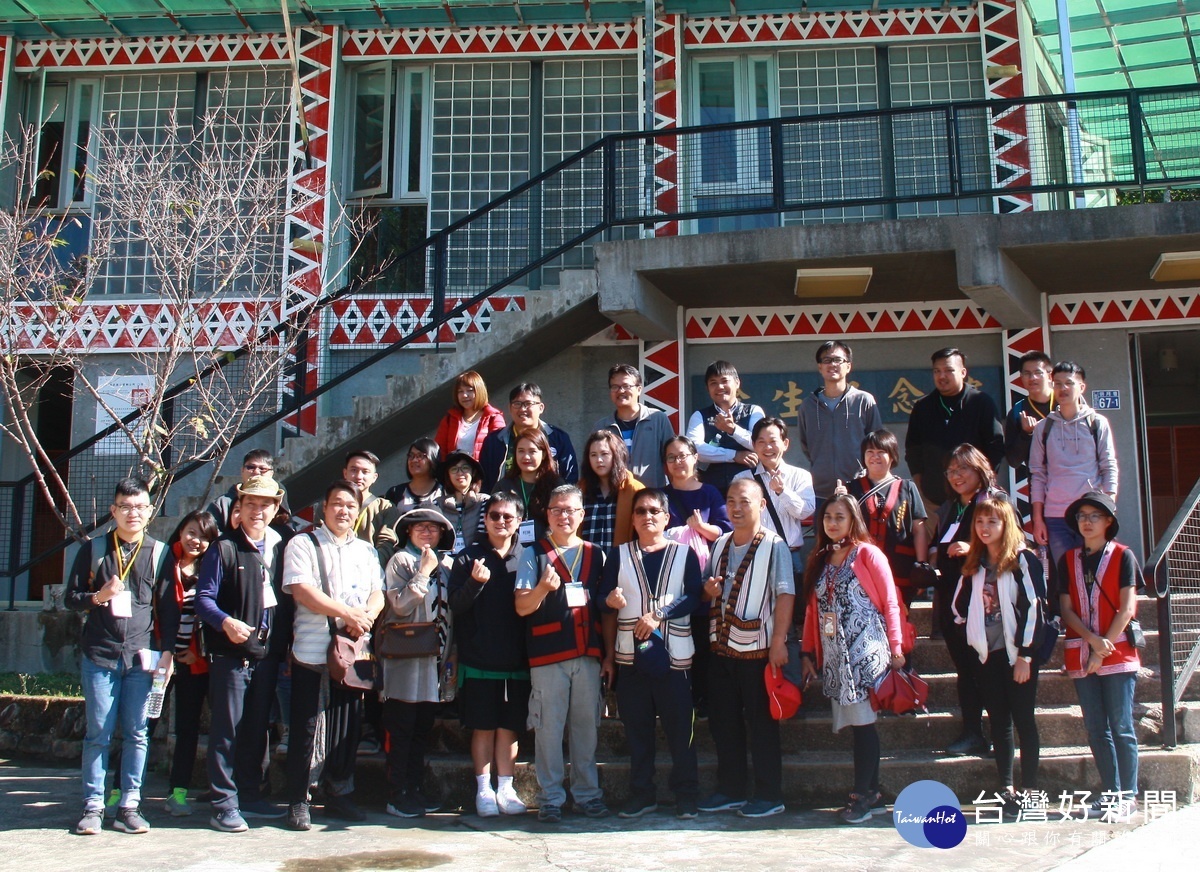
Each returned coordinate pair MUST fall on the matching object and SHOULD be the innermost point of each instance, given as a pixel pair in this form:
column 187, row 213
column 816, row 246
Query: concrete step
column 931, row 655
column 921, row 612
column 552, row 321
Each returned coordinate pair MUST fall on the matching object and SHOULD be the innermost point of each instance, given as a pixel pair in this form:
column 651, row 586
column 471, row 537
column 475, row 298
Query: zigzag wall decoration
column 1000, row 35
column 800, row 27
column 541, row 40
column 786, row 323
column 235, row 49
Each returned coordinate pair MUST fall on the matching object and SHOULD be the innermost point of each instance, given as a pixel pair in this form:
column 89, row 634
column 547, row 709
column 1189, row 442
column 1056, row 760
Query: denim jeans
column 1061, row 538
column 1107, row 703
column 109, row 694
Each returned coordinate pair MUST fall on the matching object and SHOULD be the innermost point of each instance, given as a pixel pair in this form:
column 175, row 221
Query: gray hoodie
column 832, row 438
column 1070, row 459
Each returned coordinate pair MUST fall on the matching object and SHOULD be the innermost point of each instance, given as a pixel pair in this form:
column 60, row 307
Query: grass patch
column 56, row 684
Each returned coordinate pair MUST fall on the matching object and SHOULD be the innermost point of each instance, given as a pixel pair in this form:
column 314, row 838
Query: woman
column 420, row 491
column 470, row 419
column 851, row 638
column 972, row 480
column 608, row 491
column 892, row 509
column 697, row 520
column 997, row 599
column 1098, row 598
column 461, row 478
column 493, row 668
column 187, row 544
column 533, row 474
column 654, row 585
column 416, row 589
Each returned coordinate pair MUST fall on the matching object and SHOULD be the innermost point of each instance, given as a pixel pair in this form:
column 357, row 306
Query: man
column 247, row 627
column 525, row 406
column 1026, row 412
column 722, row 431
column 752, row 594
column 788, row 488
column 834, row 419
column 558, row 582
column 362, row 471
column 645, row 431
column 256, row 462
column 115, row 580
column 653, row 585
column 1072, row 453
column 953, row 414
column 335, row 578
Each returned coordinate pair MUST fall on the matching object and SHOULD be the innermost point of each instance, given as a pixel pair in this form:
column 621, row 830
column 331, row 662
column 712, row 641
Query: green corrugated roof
column 1126, row 43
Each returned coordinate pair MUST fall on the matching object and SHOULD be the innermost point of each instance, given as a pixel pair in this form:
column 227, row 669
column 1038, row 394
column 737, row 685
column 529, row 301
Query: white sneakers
column 508, row 801
column 485, row 804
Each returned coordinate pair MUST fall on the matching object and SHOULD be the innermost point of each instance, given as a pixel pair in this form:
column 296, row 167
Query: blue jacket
column 493, row 457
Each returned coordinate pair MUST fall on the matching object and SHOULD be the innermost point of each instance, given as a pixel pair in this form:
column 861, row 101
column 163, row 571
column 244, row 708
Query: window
column 389, row 159
column 68, row 113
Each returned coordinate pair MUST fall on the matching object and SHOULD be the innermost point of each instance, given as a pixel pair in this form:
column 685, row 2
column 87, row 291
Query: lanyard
column 123, row 567
column 1038, row 411
column 574, row 567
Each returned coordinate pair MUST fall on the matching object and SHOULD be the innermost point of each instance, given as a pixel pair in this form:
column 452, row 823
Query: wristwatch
column 1025, row 657
column 658, row 614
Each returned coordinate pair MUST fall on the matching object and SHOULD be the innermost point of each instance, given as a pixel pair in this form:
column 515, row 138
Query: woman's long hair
column 1012, row 540
column 818, row 556
column 546, row 477
column 620, row 462
column 207, row 524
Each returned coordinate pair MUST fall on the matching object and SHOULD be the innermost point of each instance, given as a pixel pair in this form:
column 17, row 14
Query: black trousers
column 640, row 698
column 408, row 725
column 343, row 726
column 240, row 693
column 190, row 692
column 737, row 697
column 1010, row 703
column 970, row 698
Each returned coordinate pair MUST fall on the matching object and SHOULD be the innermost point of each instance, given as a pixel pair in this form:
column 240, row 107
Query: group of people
column 522, row 582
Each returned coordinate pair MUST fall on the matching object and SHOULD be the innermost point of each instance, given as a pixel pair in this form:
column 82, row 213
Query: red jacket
column 873, row 573
column 451, row 426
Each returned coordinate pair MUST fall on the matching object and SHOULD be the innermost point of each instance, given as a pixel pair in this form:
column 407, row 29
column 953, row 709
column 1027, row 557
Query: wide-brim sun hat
column 261, row 486
column 417, row 516
column 1101, row 501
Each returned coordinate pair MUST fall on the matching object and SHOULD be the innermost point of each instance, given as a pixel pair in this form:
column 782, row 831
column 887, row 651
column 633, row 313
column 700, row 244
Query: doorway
column 53, row 427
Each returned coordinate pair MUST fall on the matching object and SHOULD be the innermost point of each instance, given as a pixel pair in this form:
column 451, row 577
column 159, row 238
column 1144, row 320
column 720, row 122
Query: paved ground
column 39, row 805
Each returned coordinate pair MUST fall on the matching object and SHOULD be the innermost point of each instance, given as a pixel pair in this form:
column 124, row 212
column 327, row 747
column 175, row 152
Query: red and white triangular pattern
column 152, row 51
column 756, row 325
column 1000, row 36
column 807, row 27
column 1079, row 311
column 667, row 50
column 376, row 322
column 130, row 326
column 662, row 369
column 542, row 39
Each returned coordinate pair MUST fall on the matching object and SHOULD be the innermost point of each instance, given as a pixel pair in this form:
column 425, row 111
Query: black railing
column 1173, row 576
column 871, row 164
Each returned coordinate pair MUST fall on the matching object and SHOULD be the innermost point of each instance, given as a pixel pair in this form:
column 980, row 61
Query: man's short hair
column 830, row 344
column 564, row 490
column 1034, row 357
column 259, row 455
column 369, row 456
column 131, row 487
column 625, row 369
column 720, row 369
column 947, row 353
column 1070, row 367
column 341, row 484
column 531, row 388
column 764, row 423
column 748, row 482
column 507, row 498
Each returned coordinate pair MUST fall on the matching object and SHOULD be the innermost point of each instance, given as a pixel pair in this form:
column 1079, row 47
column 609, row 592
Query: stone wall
column 42, row 728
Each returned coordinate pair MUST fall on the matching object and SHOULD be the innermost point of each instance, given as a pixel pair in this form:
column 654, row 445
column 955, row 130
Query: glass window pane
column 370, row 130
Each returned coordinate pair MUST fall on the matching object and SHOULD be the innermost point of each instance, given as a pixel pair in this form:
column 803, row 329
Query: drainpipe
column 1068, row 70
column 648, row 97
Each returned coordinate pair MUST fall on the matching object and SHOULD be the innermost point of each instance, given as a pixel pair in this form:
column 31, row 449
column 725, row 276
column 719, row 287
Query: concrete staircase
column 411, row 405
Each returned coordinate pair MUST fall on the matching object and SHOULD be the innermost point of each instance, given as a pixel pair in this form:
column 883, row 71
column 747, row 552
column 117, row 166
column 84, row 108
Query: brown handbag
column 350, row 661
column 400, row 640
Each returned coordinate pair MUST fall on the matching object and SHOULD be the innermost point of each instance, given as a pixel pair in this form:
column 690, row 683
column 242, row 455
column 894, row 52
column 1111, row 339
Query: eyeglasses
column 257, row 467
column 956, row 471
column 133, row 509
column 524, row 405
column 1034, row 373
column 833, row 361
column 427, row 527
column 559, row 511
column 644, row 510
column 1089, row 517
column 501, row 517
column 621, row 389
column 678, row 458
column 462, row 469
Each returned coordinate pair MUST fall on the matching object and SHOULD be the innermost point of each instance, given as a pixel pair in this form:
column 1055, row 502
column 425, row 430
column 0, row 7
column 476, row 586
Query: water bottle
column 158, row 692
column 448, row 689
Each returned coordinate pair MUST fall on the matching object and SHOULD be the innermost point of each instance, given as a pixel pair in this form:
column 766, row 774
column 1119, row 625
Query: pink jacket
column 451, row 425
column 871, row 569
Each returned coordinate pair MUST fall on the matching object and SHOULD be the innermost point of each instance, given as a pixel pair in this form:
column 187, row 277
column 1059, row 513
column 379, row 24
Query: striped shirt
column 354, row 574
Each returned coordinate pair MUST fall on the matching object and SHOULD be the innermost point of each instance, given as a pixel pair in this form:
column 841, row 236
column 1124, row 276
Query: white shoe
column 509, row 802
column 485, row 804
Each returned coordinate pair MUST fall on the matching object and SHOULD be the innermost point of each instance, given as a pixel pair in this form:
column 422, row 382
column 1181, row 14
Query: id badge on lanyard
column 577, row 595
column 268, row 595
column 525, row 533
column 828, row 624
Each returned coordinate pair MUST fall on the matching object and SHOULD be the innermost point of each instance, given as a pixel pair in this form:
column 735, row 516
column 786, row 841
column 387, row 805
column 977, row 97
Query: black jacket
column 933, row 434
column 489, row 633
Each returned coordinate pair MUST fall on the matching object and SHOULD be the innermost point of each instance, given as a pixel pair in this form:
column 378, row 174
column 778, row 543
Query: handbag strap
column 770, row 504
column 325, row 589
